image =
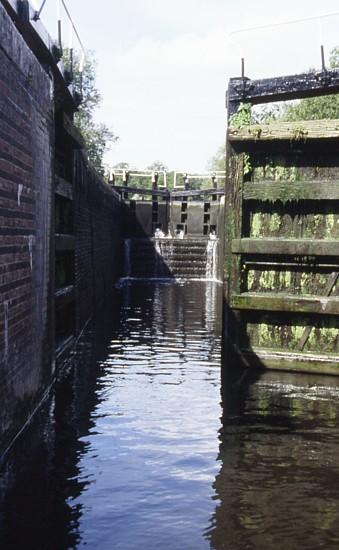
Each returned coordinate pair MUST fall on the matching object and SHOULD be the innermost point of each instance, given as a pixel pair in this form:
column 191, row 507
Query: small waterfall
column 127, row 258
column 211, row 260
column 158, row 259
column 168, row 253
column 180, row 259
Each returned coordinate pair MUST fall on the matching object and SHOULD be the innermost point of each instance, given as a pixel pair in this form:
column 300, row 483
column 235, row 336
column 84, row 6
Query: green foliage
column 218, row 161
column 157, row 166
column 145, row 183
column 306, row 109
column 98, row 136
column 247, row 164
column 316, row 108
column 243, row 116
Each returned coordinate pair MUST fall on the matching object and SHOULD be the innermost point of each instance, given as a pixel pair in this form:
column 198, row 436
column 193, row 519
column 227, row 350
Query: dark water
column 143, row 448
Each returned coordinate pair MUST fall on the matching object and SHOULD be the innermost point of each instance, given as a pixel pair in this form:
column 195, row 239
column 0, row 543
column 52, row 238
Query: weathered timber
column 233, row 220
column 295, row 362
column 64, row 347
column 300, row 131
column 288, row 217
column 283, row 88
column 169, row 194
column 139, row 191
column 197, row 192
column 286, row 302
column 307, row 331
column 233, row 229
column 64, row 295
column 286, row 247
column 64, row 242
column 72, row 132
column 63, row 188
column 291, row 191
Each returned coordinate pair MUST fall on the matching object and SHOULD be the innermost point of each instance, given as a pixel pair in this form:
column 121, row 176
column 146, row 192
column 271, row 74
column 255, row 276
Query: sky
column 163, row 66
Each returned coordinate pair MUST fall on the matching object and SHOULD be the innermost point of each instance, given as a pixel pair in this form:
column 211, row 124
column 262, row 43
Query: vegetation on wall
column 325, row 107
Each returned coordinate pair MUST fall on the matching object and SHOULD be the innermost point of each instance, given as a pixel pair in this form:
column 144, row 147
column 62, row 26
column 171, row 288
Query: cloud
column 164, row 67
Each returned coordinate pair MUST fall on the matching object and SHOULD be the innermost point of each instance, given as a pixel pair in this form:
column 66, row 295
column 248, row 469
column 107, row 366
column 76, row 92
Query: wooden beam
column 140, row 191
column 64, row 242
column 286, row 302
column 296, row 132
column 64, row 296
column 72, row 132
column 63, row 188
column 283, row 88
column 170, row 194
column 294, row 362
column 197, row 192
column 327, row 291
column 291, row 191
column 286, row 247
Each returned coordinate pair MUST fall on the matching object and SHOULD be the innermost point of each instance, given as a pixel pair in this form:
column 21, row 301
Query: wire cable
column 283, row 23
column 74, row 27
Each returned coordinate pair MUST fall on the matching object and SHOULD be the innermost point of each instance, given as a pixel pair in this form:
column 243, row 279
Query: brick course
column 26, row 139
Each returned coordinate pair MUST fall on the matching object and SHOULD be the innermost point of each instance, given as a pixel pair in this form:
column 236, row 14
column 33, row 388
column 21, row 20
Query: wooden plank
column 233, row 218
column 64, row 296
column 64, row 242
column 297, row 132
column 72, row 132
column 286, row 247
column 233, row 230
column 291, row 191
column 283, row 88
column 169, row 194
column 294, row 362
column 197, row 192
column 307, row 331
column 286, row 302
column 64, row 348
column 138, row 190
column 63, row 188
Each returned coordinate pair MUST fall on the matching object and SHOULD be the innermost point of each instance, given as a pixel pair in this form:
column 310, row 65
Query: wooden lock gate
column 282, row 231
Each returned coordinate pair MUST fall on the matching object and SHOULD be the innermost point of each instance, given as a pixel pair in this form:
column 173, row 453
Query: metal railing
column 182, row 179
column 157, row 179
column 61, row 7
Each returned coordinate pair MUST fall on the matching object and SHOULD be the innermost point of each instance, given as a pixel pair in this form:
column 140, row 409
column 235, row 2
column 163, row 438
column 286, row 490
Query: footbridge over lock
column 171, row 233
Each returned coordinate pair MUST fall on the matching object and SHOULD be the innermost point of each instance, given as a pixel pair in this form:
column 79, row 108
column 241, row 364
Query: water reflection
column 277, row 484
column 128, row 457
column 135, row 452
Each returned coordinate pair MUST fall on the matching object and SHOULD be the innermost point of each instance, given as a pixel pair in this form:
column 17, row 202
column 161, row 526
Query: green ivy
column 243, row 116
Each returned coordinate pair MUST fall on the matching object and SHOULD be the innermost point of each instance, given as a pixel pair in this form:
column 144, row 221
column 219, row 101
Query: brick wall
column 26, row 125
column 28, row 137
column 97, row 233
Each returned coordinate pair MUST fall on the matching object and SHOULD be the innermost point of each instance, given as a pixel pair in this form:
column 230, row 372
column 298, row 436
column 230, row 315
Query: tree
column 97, row 136
column 306, row 109
column 218, row 161
column 316, row 107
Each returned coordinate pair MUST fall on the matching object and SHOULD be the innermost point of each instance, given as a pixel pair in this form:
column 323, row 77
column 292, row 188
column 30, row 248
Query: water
column 212, row 261
column 143, row 448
